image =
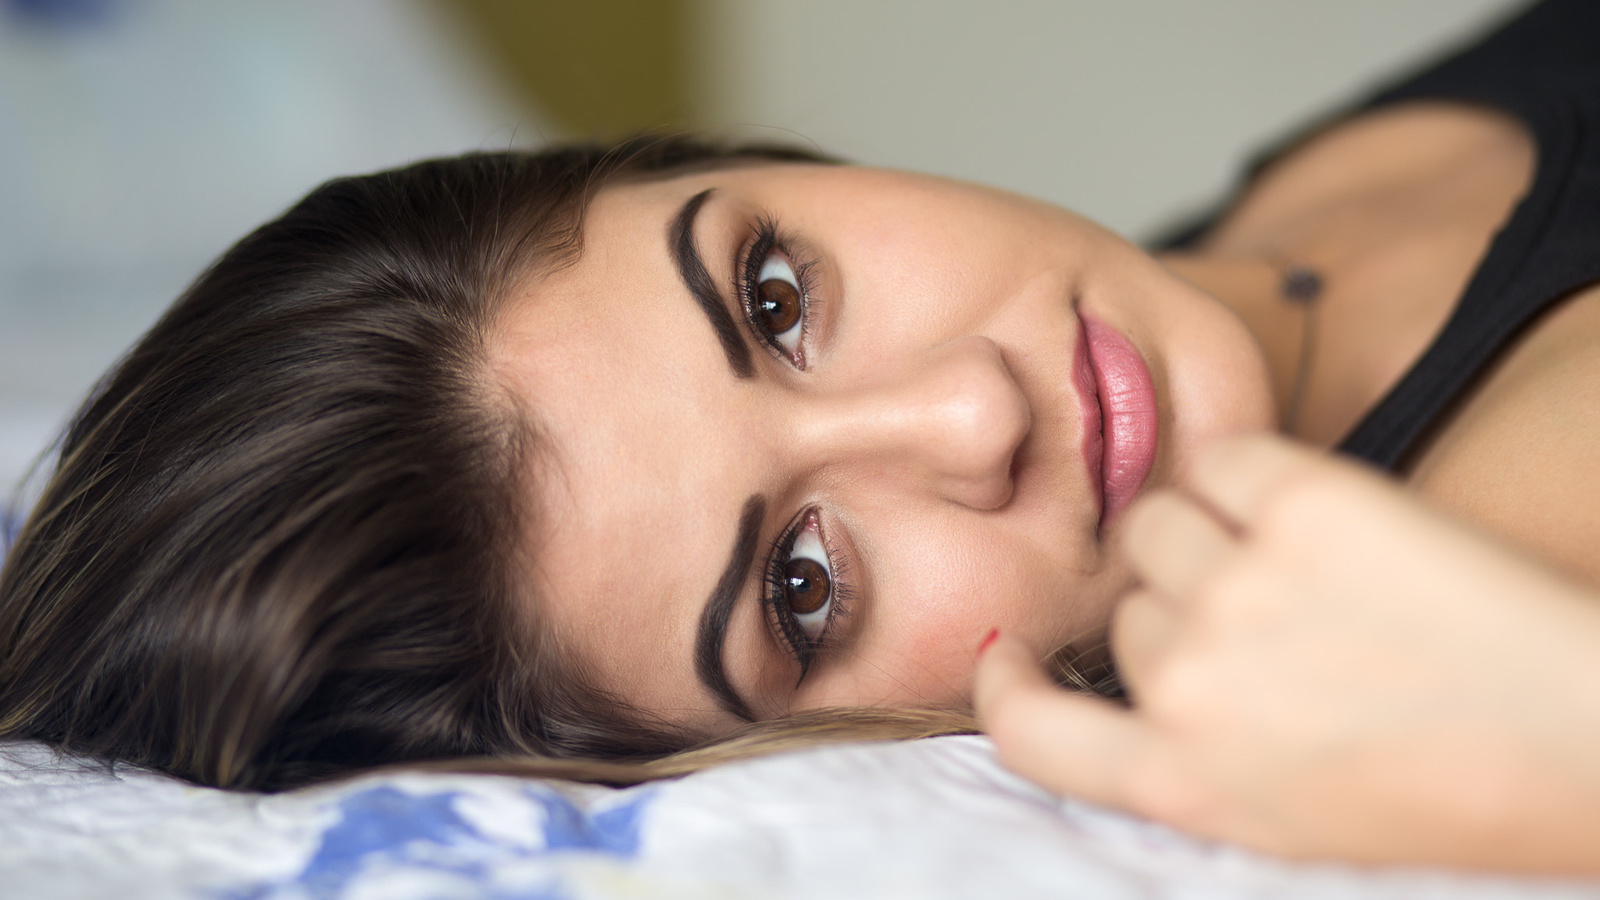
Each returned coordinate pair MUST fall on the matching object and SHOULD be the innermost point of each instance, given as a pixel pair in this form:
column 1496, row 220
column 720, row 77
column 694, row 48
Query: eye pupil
column 779, row 305
column 805, row 585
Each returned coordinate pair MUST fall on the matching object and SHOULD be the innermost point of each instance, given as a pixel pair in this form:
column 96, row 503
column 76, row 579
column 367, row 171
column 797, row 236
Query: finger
column 1173, row 543
column 1142, row 631
column 1237, row 474
column 1240, row 476
column 1069, row 743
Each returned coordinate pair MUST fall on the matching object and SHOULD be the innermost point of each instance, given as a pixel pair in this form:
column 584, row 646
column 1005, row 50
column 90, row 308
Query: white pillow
column 935, row 819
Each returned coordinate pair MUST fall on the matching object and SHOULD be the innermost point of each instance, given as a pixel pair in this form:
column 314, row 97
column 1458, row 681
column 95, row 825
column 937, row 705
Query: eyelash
column 801, row 646
column 765, row 237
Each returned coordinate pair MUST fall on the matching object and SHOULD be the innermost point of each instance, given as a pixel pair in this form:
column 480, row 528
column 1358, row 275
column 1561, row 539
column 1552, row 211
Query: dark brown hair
column 278, row 544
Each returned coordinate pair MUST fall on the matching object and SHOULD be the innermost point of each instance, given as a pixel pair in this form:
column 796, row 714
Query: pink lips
column 1119, row 415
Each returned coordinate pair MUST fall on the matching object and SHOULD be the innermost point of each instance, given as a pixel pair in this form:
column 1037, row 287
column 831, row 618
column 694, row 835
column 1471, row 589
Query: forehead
column 629, row 392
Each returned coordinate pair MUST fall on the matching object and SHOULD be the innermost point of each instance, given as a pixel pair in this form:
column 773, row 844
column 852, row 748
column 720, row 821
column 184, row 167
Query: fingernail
column 987, row 640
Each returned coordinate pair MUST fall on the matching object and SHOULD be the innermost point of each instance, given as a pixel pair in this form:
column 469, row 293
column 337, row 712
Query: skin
column 934, row 433
column 1324, row 664
column 935, row 430
column 1432, row 695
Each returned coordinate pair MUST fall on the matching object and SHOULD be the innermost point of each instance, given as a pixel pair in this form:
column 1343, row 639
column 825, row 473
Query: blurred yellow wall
column 599, row 68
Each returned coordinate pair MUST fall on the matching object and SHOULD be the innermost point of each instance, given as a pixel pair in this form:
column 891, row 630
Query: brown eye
column 805, row 585
column 802, row 593
column 778, row 305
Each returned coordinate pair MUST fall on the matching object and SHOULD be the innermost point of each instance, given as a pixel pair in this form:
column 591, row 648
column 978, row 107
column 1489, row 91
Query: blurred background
column 139, row 138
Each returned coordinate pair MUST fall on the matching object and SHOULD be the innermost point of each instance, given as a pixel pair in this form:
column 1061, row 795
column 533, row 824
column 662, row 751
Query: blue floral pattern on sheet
column 388, row 835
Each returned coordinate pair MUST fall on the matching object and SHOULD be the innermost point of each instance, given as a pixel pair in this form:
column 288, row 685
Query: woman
column 607, row 454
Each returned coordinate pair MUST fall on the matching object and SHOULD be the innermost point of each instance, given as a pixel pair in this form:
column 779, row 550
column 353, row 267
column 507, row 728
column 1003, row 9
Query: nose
column 948, row 420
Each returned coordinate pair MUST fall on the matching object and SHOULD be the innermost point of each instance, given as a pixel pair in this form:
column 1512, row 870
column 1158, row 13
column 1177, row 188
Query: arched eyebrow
column 719, row 607
column 680, row 244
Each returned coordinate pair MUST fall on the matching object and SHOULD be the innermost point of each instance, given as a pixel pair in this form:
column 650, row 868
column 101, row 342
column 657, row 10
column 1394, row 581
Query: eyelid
column 842, row 596
column 766, row 237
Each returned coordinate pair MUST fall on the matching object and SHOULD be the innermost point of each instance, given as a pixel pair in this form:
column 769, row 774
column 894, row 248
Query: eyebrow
column 680, row 243
column 719, row 608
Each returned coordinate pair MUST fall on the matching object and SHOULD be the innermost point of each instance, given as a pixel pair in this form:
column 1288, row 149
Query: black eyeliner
column 747, row 274
column 748, row 259
column 765, row 237
column 799, row 645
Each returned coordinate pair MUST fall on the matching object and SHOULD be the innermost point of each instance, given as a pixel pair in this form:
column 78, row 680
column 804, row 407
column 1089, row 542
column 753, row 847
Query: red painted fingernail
column 987, row 640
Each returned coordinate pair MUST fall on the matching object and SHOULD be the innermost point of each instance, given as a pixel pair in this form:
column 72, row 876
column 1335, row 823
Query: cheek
column 933, row 607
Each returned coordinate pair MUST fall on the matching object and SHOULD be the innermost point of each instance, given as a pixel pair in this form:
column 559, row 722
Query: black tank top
column 1543, row 68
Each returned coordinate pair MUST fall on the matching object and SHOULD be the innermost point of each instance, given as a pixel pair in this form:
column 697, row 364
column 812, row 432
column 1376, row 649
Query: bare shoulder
column 1375, row 153
column 1521, row 455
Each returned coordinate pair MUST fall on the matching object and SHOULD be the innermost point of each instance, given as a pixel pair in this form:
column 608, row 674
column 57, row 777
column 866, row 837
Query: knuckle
column 1179, row 688
column 1231, row 584
column 1298, row 507
column 1248, row 599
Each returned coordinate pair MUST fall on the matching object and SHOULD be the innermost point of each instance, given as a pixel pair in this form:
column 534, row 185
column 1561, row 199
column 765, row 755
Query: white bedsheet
column 935, row 818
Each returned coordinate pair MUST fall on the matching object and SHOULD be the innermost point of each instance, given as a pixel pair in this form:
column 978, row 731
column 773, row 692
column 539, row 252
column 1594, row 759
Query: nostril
column 985, row 419
column 988, row 494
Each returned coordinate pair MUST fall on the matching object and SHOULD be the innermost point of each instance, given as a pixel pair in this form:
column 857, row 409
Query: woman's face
column 808, row 432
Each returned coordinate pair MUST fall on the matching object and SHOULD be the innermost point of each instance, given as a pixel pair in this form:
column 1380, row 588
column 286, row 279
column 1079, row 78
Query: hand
column 1321, row 667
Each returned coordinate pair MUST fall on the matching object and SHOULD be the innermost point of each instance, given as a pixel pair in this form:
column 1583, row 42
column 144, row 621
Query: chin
column 1217, row 380
column 1229, row 394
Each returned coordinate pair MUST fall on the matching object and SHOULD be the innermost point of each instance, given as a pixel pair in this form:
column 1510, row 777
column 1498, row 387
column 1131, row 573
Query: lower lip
column 1127, row 399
